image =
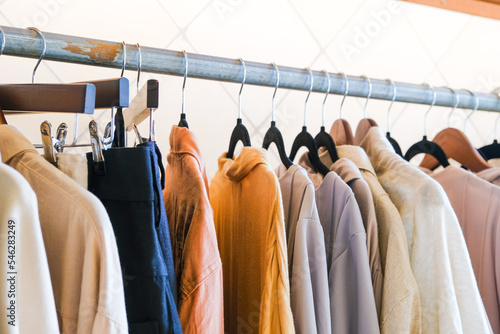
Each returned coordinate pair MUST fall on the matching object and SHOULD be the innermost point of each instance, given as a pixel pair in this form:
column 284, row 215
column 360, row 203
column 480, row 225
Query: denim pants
column 131, row 191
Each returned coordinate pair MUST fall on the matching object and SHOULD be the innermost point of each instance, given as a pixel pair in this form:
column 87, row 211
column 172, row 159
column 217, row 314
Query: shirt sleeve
column 352, row 300
column 27, row 299
column 309, row 281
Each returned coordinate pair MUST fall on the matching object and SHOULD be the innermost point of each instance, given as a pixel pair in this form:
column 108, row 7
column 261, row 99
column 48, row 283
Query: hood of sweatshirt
column 245, row 162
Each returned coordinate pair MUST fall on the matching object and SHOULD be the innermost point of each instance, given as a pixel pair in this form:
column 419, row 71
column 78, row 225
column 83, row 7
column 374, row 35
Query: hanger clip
column 52, row 145
column 97, row 148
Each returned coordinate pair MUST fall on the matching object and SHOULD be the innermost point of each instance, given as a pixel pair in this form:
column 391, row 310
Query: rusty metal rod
column 87, row 51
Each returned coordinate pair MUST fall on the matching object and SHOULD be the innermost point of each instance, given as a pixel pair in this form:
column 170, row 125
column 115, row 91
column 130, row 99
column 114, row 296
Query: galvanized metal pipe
column 80, row 50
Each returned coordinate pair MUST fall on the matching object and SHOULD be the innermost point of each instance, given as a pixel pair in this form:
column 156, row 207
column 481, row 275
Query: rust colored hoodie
column 248, row 212
column 197, row 262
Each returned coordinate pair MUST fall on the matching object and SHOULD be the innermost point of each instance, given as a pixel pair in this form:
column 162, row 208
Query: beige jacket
column 248, row 215
column 352, row 302
column 79, row 241
column 401, row 309
column 351, row 175
column 26, row 297
column 306, row 252
column 450, row 298
column 477, row 205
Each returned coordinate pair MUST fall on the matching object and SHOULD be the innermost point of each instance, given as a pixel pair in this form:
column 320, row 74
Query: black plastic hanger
column 240, row 132
column 426, row 146
column 273, row 134
column 391, row 140
column 323, row 138
column 183, row 122
column 304, row 139
column 492, row 151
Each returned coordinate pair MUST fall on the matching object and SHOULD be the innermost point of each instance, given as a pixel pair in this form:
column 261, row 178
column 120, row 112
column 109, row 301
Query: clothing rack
column 72, row 49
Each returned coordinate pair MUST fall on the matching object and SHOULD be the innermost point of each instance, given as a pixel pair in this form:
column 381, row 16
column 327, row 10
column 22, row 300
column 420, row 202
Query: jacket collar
column 357, row 155
column 183, row 141
column 247, row 160
column 13, row 143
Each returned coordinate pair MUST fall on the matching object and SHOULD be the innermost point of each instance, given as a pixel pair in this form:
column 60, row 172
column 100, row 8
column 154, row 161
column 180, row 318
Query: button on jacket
column 197, row 262
column 438, row 255
column 352, row 303
column 306, row 252
column 477, row 205
column 248, row 214
column 351, row 175
column 400, row 311
column 79, row 241
column 27, row 301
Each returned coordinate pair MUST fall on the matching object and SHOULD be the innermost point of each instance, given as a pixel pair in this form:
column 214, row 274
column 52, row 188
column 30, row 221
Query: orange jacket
column 197, row 262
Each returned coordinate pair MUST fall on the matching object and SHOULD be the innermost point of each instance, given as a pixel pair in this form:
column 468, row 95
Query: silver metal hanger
column 476, row 105
column 457, row 101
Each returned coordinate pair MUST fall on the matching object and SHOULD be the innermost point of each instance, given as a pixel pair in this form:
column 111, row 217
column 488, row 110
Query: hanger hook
column 326, row 96
column 457, row 100
column 476, row 105
column 139, row 65
column 308, row 94
column 241, row 88
column 345, row 93
column 394, row 92
column 275, row 90
column 186, row 64
column 369, row 94
column 2, row 46
column 434, row 96
column 44, row 49
column 124, row 63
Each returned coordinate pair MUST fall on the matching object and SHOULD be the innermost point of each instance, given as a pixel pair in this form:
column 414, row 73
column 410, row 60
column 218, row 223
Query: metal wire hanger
column 240, row 132
column 273, row 134
column 391, row 140
column 304, row 139
column 426, row 146
column 323, row 138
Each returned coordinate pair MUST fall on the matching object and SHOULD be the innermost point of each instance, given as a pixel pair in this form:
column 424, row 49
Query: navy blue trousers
column 131, row 191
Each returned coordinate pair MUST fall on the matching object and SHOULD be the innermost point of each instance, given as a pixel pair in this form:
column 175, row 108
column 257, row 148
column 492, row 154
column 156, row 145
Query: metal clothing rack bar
column 87, row 51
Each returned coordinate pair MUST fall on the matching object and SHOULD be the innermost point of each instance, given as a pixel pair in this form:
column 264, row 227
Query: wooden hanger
column 143, row 103
column 362, row 129
column 341, row 131
column 2, row 117
column 366, row 123
column 458, row 147
column 66, row 98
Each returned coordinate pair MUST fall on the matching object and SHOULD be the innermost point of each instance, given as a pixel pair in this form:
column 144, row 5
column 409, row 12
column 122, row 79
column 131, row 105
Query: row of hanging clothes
column 351, row 238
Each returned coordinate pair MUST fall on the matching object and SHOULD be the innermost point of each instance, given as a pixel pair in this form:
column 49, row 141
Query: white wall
column 378, row 38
